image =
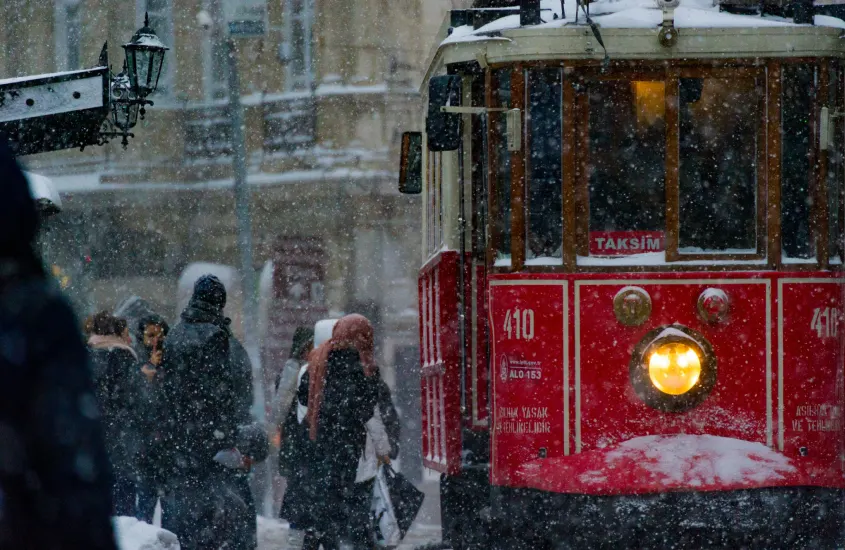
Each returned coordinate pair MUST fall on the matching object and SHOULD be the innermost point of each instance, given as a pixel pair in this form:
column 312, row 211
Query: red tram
column 632, row 282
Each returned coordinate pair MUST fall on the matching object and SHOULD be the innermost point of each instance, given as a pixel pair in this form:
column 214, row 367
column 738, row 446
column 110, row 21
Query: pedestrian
column 342, row 394
column 151, row 332
column 118, row 392
column 55, row 478
column 203, row 401
column 286, row 386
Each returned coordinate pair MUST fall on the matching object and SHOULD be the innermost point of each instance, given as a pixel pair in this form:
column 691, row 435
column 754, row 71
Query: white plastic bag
column 385, row 528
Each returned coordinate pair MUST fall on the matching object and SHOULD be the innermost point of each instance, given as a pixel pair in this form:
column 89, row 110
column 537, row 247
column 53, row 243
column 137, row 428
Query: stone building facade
column 326, row 94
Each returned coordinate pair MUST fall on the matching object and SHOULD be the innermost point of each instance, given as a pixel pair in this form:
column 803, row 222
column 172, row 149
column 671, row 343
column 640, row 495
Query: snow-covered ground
column 273, row 533
column 137, row 535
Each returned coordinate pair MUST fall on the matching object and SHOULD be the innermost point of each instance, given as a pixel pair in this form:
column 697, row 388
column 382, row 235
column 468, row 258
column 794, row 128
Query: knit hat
column 209, row 290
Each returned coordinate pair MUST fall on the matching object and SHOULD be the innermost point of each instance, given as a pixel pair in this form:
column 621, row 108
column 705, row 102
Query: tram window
column 718, row 126
column 545, row 192
column 835, row 168
column 501, row 159
column 627, row 155
column 799, row 92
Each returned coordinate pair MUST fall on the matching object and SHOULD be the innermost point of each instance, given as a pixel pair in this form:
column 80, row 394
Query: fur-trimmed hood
column 109, row 343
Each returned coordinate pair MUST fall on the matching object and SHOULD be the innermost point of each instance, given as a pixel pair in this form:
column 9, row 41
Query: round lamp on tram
column 673, row 368
column 145, row 59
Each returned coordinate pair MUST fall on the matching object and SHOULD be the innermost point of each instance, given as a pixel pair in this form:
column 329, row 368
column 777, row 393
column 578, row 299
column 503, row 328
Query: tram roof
column 629, row 29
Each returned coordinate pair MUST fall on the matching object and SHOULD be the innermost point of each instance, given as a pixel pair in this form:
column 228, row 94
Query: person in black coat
column 118, row 392
column 55, row 479
column 342, row 393
column 203, row 405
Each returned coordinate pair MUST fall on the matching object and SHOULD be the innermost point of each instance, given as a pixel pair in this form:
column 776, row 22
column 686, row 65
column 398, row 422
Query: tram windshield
column 626, row 159
column 669, row 163
column 719, row 118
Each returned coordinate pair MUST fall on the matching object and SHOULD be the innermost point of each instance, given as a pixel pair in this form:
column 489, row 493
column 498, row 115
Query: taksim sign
column 619, row 243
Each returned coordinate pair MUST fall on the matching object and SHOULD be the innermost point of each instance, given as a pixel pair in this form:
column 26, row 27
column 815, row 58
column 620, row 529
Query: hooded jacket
column 55, row 479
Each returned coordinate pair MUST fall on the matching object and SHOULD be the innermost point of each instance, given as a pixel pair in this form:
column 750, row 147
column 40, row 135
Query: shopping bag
column 385, row 529
column 405, row 499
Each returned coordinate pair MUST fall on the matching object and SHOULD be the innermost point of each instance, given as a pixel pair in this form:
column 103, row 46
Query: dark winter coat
column 198, row 391
column 329, row 464
column 389, row 416
column 55, row 480
column 296, row 460
column 50, row 428
column 149, row 416
column 206, row 393
column 118, row 392
column 242, row 368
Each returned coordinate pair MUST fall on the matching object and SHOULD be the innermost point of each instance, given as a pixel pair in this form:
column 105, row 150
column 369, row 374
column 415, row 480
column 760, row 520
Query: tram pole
column 244, row 221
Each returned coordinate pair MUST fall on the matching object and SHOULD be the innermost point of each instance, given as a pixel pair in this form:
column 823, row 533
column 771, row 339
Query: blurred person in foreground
column 151, row 331
column 204, row 402
column 342, row 393
column 118, row 393
column 55, row 480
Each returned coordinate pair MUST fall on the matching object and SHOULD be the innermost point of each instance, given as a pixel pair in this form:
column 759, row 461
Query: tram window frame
column 531, row 74
column 583, row 148
column 575, row 207
column 835, row 181
column 806, row 176
column 496, row 145
column 434, row 201
column 479, row 204
column 674, row 214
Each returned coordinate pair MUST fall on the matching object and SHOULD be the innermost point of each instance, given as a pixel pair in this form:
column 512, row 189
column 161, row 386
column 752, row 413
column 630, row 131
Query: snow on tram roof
column 634, row 14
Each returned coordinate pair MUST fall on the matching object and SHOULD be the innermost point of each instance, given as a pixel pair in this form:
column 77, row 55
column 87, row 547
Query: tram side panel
column 527, row 364
column 809, row 371
column 440, row 360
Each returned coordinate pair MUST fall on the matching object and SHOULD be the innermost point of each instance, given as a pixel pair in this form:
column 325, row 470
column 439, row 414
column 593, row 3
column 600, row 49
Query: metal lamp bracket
column 513, row 121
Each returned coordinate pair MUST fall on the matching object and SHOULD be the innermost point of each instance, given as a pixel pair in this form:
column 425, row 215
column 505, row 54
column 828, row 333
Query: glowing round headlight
column 674, row 368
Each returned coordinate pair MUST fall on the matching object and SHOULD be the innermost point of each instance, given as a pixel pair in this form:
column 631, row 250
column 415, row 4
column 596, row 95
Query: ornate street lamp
column 145, row 59
column 80, row 108
column 139, row 78
column 124, row 108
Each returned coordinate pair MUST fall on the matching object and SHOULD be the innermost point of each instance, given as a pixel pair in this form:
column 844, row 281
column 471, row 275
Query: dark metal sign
column 52, row 112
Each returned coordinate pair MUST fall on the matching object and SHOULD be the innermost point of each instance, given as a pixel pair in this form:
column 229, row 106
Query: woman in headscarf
column 341, row 391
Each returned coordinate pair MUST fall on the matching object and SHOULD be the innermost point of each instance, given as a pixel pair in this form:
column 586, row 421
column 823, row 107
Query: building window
column 68, row 34
column 297, row 47
column 161, row 21
column 215, row 53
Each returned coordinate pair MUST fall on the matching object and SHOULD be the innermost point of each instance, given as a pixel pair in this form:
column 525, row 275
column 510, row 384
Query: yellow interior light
column 650, row 101
column 674, row 368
